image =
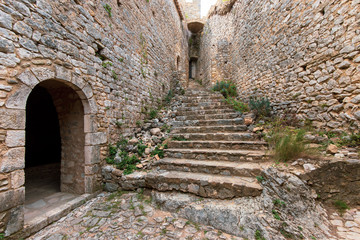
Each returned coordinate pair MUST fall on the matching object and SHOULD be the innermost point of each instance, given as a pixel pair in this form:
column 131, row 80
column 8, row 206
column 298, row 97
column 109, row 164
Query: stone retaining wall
column 303, row 55
column 118, row 56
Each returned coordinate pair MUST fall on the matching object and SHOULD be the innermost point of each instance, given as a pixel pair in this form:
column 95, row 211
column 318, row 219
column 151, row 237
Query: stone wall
column 336, row 181
column 118, row 56
column 302, row 55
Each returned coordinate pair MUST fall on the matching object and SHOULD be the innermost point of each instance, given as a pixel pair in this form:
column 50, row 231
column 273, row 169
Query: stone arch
column 16, row 107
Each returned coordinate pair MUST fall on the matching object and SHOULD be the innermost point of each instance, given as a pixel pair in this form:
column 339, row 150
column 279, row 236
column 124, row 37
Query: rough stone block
column 28, row 78
column 15, row 138
column 92, row 139
column 90, row 124
column 17, row 179
column 12, row 199
column 13, row 159
column 16, row 220
column 12, row 119
column 6, row 46
column 63, row 73
column 19, row 98
column 28, row 44
column 5, row 20
column 43, row 73
column 92, row 155
column 23, row 29
column 88, row 91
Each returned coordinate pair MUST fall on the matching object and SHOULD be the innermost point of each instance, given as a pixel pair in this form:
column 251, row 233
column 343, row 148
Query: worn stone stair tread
column 249, row 153
column 226, row 116
column 218, row 128
column 215, row 164
column 225, row 142
column 207, row 111
column 221, row 186
column 202, row 108
column 188, row 135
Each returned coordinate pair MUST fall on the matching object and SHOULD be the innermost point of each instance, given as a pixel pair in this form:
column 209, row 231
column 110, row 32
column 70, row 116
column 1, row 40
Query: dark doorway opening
column 55, row 142
column 43, row 145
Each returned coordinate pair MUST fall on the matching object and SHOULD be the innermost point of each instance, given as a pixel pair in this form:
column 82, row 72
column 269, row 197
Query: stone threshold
column 51, row 216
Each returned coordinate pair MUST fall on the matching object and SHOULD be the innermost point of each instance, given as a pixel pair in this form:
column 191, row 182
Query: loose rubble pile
column 146, row 143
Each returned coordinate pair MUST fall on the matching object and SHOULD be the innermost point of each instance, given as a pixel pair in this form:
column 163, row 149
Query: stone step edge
column 204, row 185
column 217, row 151
column 221, row 165
column 223, row 142
column 211, row 126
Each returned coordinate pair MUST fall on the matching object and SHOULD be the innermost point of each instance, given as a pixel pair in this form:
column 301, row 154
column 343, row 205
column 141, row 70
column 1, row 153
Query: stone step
column 240, row 136
column 202, row 98
column 201, row 108
column 213, row 122
column 224, row 168
column 217, row 154
column 202, row 112
column 210, row 104
column 208, row 116
column 230, row 145
column 204, row 185
column 210, row 129
column 198, row 92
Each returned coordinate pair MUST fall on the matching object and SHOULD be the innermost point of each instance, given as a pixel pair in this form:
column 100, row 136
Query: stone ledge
column 46, row 219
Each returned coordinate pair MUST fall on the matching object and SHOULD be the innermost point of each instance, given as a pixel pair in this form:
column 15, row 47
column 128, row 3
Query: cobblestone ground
column 348, row 225
column 125, row 216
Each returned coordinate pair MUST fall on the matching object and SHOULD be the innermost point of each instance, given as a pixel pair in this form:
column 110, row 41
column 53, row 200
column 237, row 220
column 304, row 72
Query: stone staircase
column 212, row 154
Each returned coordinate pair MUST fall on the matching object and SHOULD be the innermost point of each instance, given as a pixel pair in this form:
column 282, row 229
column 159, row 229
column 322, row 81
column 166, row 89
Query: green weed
column 226, row 88
column 237, row 105
column 258, row 235
column 261, row 107
column 341, row 206
column 158, row 151
column 108, row 8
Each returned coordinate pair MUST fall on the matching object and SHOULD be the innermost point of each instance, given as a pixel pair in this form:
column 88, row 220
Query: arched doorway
column 54, row 147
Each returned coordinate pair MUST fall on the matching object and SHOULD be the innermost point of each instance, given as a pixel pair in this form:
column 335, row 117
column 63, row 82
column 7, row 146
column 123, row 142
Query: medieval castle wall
column 302, row 55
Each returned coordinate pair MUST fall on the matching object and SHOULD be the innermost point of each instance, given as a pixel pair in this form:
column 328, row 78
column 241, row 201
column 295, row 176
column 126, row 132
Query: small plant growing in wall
column 106, row 64
column 226, row 88
column 108, row 8
column 261, row 107
column 114, row 75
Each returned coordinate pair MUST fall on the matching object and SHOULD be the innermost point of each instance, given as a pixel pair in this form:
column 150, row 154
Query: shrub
column 226, row 88
column 141, row 149
column 261, row 107
column 288, row 144
column 128, row 164
column 351, row 141
column 237, row 105
column 158, row 151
